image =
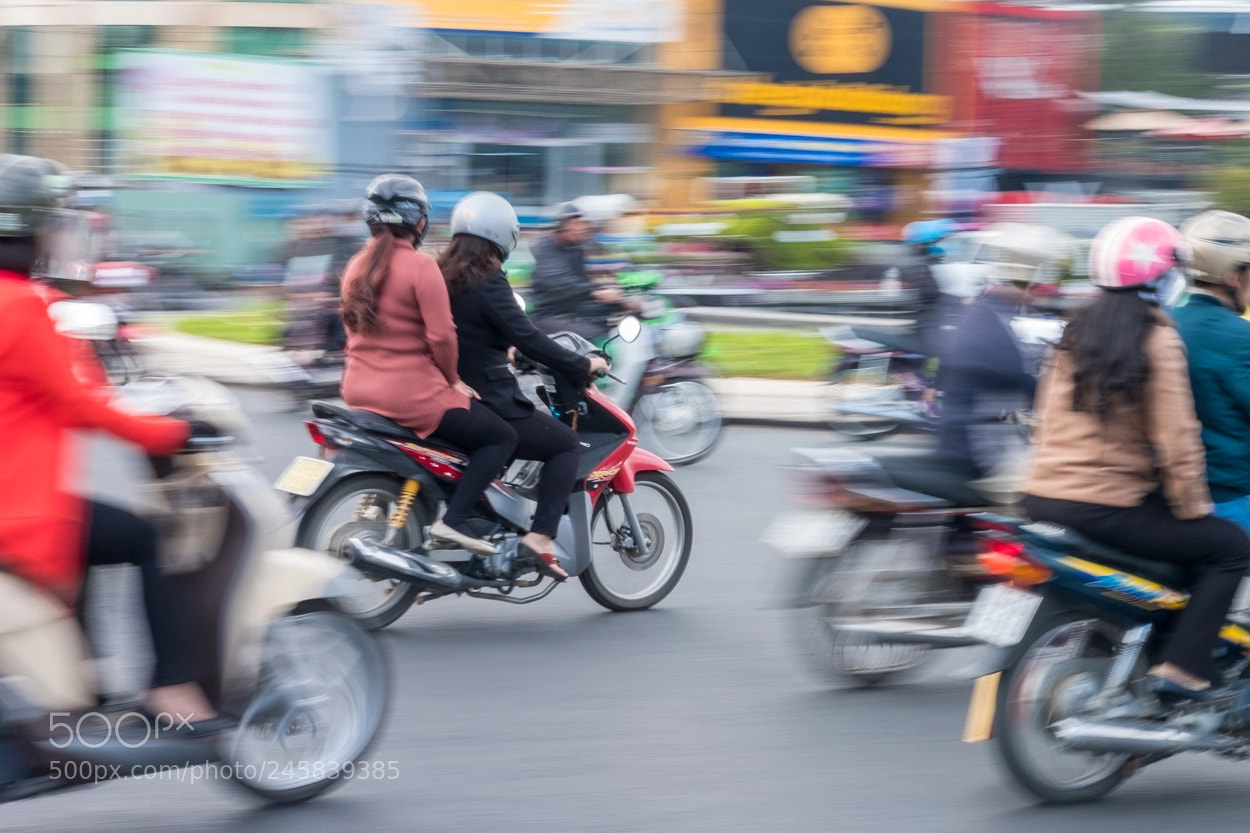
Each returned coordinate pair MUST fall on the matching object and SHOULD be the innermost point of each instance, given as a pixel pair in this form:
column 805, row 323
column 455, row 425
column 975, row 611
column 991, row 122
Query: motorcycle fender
column 279, row 582
column 351, row 463
column 640, row 460
column 676, row 371
column 991, row 669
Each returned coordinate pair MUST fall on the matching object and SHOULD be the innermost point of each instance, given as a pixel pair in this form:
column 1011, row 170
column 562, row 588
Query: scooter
column 1074, row 625
column 376, row 488
column 305, row 684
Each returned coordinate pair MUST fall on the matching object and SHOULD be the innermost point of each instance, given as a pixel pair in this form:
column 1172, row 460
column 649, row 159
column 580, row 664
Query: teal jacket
column 1218, row 343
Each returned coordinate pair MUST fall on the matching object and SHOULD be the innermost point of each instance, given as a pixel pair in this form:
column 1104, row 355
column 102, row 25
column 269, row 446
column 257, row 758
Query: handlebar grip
column 601, row 373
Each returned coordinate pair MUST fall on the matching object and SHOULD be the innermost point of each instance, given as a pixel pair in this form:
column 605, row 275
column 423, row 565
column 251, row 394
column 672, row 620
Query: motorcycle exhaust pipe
column 382, row 561
column 1134, row 738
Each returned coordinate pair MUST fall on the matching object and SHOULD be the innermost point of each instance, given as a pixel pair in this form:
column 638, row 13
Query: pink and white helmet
column 1134, row 251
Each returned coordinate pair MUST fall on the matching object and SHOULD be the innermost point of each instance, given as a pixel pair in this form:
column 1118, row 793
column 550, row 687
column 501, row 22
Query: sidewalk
column 231, row 363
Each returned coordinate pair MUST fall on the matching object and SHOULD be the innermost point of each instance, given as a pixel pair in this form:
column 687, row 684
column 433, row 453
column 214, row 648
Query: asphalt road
column 695, row 716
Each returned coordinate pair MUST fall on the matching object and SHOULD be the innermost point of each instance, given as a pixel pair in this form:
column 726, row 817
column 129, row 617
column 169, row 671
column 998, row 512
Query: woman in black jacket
column 488, row 322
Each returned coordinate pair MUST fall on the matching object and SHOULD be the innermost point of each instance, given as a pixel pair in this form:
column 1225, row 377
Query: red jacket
column 41, row 402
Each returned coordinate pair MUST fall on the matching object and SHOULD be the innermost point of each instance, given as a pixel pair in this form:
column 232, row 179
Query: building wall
column 679, row 176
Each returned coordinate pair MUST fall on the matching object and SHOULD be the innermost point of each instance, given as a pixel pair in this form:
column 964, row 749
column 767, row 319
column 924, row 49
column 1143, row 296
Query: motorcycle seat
column 1074, row 543
column 380, row 425
column 928, row 476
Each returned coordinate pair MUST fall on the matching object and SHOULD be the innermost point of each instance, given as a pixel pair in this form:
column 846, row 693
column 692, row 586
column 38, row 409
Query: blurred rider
column 1119, row 448
column 562, row 295
column 44, row 526
column 1217, row 340
column 987, row 372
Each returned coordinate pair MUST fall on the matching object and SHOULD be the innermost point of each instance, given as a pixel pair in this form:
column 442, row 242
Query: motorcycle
column 377, row 487
column 883, row 559
column 306, row 685
column 878, row 386
column 1075, row 625
column 660, row 381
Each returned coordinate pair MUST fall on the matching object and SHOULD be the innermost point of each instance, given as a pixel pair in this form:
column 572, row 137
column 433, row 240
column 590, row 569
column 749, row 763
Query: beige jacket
column 1120, row 461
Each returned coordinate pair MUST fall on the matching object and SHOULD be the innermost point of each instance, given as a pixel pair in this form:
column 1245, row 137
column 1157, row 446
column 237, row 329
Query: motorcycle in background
column 269, row 640
column 377, row 487
column 659, row 379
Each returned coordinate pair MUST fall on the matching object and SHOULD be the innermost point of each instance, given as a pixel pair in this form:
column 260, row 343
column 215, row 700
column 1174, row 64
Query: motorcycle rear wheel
column 613, row 560
column 1030, row 700
column 331, row 513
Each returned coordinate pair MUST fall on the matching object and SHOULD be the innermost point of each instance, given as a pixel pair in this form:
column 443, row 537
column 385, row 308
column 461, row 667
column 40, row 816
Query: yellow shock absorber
column 407, row 494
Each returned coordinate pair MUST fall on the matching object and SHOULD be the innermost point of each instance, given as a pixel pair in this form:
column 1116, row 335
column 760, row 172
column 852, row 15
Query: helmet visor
column 65, row 246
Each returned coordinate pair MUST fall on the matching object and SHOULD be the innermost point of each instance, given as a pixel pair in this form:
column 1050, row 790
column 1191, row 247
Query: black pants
column 115, row 536
column 1216, row 549
column 489, row 441
column 542, row 437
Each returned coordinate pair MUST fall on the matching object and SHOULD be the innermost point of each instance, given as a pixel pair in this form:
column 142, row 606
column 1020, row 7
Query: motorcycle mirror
column 520, row 302
column 629, row 329
column 84, row 320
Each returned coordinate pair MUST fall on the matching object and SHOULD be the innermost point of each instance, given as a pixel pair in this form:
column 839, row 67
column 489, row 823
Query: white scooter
column 306, row 684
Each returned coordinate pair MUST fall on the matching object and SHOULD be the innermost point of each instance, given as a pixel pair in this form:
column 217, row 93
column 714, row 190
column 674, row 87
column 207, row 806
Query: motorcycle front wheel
column 320, row 699
column 681, row 421
column 361, row 506
column 621, row 575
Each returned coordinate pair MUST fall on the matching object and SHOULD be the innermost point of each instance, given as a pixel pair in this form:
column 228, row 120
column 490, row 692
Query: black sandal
column 545, row 563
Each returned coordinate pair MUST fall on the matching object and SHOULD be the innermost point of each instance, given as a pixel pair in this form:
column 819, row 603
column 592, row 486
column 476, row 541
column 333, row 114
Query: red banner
column 1016, row 78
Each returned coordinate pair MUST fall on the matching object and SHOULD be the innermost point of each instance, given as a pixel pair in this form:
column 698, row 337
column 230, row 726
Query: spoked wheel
column 320, row 700
column 849, row 385
column 624, row 576
column 1059, row 673
column 843, row 593
column 360, row 507
column 681, row 421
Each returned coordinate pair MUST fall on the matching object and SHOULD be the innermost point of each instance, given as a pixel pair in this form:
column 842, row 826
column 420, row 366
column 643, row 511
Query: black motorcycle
column 1066, row 696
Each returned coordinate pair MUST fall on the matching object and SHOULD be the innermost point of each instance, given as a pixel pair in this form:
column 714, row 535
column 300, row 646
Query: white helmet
column 1219, row 243
column 490, row 217
column 1028, row 254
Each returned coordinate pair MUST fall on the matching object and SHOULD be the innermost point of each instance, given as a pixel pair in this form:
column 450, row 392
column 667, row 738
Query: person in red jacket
column 43, row 523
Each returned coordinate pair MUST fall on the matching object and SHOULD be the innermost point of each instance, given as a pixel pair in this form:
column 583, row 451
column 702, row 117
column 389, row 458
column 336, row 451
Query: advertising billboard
column 840, row 63
column 222, row 118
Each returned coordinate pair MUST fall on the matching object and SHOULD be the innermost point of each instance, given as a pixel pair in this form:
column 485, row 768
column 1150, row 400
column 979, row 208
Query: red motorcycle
column 375, row 489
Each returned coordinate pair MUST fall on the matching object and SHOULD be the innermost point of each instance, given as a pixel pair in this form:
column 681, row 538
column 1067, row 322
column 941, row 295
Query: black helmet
column 30, row 189
column 397, row 200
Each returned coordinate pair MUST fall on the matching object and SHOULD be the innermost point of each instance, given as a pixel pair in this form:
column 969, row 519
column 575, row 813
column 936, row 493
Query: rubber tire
column 854, row 429
column 310, row 791
column 1013, row 758
column 601, row 595
column 706, row 450
column 404, row 593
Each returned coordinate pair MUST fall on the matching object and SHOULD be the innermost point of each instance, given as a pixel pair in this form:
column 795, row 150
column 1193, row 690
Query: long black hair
column 360, row 304
column 1107, row 343
column 467, row 262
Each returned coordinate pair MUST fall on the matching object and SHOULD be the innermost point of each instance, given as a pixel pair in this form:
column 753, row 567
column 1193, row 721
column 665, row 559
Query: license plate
column 1001, row 615
column 812, row 533
column 304, row 475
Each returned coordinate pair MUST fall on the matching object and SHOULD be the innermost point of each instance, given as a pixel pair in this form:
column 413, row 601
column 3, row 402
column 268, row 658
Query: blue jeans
column 1237, row 511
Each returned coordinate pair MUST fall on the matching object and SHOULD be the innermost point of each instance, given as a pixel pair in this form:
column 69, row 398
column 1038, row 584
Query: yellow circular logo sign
column 840, row 40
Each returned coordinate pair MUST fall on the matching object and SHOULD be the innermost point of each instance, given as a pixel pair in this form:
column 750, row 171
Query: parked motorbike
column 884, row 560
column 269, row 640
column 1076, row 625
column 377, row 487
column 661, row 382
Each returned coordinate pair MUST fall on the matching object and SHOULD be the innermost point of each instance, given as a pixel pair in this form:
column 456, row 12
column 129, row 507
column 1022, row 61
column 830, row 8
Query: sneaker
column 443, row 532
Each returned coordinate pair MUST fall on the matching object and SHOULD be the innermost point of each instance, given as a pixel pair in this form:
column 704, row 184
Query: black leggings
column 491, row 441
column 1216, row 549
column 542, row 437
column 115, row 536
